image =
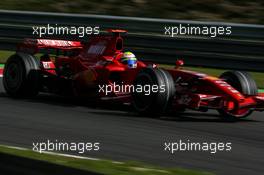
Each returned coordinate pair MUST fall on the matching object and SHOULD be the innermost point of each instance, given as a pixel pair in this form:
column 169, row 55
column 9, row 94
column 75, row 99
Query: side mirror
column 108, row 58
column 152, row 65
column 179, row 63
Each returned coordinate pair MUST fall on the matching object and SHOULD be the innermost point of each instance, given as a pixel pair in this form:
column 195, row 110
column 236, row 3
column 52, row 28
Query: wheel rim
column 142, row 101
column 239, row 113
column 13, row 75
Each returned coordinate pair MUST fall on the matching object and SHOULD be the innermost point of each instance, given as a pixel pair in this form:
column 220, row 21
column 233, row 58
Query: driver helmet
column 129, row 59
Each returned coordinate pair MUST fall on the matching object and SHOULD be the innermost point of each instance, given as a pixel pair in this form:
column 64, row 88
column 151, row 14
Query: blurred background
column 238, row 11
column 126, row 137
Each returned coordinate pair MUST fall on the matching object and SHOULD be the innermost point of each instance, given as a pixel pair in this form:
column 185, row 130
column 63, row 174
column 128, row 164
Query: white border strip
column 53, row 153
column 85, row 158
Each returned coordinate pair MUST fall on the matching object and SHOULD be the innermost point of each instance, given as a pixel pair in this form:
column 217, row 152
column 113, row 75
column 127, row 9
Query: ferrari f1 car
column 100, row 69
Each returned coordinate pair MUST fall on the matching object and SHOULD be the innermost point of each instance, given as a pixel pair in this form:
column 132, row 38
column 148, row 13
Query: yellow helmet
column 129, row 59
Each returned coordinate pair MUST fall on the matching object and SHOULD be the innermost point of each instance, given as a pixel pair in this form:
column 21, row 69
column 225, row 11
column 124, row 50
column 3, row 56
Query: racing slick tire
column 245, row 84
column 157, row 101
column 21, row 75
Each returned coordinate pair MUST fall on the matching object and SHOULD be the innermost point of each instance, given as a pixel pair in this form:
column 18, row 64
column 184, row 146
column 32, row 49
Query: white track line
column 86, row 158
column 52, row 153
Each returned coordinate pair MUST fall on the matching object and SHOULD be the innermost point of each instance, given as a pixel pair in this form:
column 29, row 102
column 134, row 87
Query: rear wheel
column 21, row 75
column 245, row 84
column 157, row 91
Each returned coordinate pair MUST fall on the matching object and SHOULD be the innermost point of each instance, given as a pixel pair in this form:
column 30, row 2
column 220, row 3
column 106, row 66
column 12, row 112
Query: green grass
column 105, row 167
column 261, row 91
column 4, row 55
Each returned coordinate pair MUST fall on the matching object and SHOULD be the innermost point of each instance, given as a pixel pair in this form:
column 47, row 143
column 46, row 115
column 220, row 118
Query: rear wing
column 116, row 32
column 33, row 45
column 118, row 40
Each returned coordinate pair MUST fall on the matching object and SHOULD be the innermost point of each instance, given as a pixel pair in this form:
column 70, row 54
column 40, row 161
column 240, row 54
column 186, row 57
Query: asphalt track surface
column 125, row 136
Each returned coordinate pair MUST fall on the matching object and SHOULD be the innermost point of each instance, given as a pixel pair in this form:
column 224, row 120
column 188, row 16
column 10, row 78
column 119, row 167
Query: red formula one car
column 101, row 69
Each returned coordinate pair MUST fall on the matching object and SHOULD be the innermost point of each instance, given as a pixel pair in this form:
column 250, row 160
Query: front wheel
column 246, row 85
column 235, row 114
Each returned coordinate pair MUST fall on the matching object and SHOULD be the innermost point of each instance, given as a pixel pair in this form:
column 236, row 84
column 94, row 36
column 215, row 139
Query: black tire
column 245, row 84
column 21, row 75
column 241, row 81
column 156, row 102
